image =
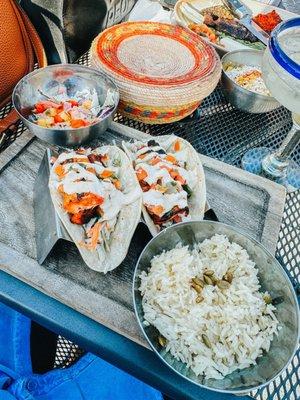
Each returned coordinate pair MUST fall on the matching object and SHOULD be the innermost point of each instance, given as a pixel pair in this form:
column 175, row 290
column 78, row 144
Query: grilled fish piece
column 218, row 11
column 231, row 27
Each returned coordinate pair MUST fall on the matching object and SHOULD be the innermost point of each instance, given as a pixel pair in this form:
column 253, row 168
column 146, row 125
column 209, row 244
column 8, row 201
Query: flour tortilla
column 197, row 201
column 100, row 259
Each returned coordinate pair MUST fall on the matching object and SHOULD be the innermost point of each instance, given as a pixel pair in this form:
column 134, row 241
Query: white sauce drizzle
column 168, row 201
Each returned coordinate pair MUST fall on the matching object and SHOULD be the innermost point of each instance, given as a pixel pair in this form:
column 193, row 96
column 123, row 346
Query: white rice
column 237, row 321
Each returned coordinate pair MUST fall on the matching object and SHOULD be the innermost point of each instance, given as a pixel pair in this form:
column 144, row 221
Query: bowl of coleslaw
column 66, row 105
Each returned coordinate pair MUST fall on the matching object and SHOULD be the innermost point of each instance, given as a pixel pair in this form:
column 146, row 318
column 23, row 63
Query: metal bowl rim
column 80, row 67
column 246, row 91
column 237, row 230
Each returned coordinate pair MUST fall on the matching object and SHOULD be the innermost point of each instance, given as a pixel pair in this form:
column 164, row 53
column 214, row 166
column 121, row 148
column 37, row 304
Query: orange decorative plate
column 155, row 53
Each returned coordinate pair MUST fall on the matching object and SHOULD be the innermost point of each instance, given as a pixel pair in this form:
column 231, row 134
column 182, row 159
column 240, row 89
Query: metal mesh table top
column 218, row 130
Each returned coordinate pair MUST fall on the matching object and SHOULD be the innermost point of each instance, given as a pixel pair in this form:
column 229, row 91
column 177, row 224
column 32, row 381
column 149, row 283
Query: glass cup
column 281, row 73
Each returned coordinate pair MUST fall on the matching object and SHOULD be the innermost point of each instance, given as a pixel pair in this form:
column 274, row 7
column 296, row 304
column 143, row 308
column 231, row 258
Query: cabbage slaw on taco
column 172, row 179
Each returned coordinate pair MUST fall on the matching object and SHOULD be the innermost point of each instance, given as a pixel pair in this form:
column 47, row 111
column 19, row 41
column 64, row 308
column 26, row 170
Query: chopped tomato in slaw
column 70, row 113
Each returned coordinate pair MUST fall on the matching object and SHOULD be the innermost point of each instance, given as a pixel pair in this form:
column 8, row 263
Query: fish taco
column 172, row 179
column 98, row 199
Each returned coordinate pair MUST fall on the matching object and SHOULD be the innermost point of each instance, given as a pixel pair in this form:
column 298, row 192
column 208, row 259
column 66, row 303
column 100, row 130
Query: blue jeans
column 90, row 378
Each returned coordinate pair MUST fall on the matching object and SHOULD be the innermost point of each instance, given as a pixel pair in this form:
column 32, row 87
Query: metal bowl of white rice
column 216, row 306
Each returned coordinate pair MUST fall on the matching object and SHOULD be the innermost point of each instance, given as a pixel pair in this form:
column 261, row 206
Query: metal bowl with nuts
column 274, row 284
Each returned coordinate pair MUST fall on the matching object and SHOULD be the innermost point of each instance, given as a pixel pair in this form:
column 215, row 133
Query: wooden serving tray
column 249, row 202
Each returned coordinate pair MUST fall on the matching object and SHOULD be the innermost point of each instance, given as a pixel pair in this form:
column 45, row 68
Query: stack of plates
column 163, row 71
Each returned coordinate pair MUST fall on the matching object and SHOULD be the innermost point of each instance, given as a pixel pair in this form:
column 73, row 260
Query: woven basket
column 163, row 71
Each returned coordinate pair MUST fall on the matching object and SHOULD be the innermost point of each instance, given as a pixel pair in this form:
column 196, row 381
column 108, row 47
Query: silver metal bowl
column 272, row 278
column 74, row 78
column 241, row 98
